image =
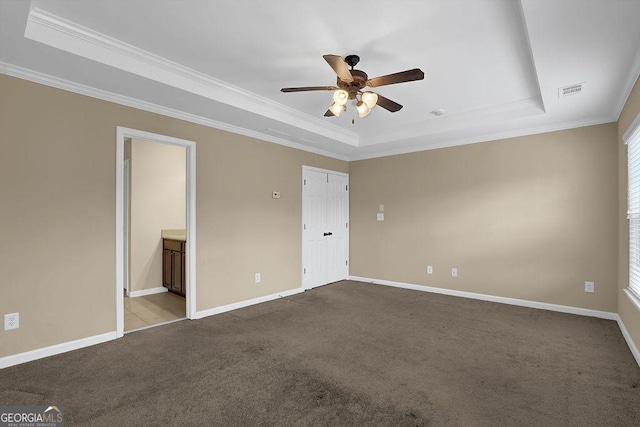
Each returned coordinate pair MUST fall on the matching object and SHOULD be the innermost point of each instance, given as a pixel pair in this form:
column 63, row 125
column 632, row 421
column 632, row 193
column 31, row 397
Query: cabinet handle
column 328, row 234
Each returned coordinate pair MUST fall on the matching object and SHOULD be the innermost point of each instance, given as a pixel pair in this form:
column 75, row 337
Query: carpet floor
column 348, row 353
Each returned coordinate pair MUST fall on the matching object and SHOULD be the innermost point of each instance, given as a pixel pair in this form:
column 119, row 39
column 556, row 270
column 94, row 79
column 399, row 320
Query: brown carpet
column 348, row 354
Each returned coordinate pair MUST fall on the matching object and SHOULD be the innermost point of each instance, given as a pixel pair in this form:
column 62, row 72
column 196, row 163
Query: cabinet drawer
column 174, row 245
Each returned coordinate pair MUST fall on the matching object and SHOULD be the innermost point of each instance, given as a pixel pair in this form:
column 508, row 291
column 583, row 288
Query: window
column 632, row 139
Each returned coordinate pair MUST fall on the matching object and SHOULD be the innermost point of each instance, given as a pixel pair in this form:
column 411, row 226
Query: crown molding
column 487, row 138
column 47, row 80
column 58, row 83
column 54, row 31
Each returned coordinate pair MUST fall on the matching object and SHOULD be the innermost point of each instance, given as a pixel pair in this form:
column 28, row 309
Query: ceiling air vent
column 571, row 90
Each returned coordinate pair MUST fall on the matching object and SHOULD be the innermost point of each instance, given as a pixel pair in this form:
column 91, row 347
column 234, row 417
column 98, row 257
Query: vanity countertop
column 175, row 234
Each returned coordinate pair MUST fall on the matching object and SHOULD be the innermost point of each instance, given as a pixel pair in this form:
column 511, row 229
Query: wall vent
column 575, row 89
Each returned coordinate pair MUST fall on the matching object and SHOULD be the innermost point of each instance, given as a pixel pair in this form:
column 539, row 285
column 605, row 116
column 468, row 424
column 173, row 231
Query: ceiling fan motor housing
column 359, row 81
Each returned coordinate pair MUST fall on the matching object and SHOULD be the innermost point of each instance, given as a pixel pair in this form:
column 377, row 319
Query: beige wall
column 629, row 314
column 241, row 229
column 158, row 201
column 530, row 218
column 57, row 216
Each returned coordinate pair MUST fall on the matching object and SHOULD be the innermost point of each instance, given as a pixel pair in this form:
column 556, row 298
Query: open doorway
column 155, row 217
column 155, row 224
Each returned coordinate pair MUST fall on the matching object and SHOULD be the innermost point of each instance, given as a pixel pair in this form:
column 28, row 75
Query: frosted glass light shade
column 336, row 109
column 363, row 109
column 340, row 97
column 370, row 99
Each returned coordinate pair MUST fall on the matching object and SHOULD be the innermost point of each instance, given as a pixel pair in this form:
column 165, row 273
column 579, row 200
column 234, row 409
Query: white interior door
column 325, row 217
column 336, row 223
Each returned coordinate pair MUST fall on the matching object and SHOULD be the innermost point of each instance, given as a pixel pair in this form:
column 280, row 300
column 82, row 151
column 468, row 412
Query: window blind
column 633, row 213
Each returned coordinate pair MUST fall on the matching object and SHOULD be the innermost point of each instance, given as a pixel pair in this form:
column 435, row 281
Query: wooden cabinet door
column 167, row 257
column 173, row 266
column 183, row 280
column 176, row 280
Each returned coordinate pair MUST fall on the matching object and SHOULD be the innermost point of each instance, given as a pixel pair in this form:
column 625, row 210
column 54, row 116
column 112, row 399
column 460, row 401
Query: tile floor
column 140, row 312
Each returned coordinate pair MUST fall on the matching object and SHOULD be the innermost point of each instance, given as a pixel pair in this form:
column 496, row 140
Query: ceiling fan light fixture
column 350, row 86
column 336, row 109
column 370, row 98
column 363, row 109
column 340, row 96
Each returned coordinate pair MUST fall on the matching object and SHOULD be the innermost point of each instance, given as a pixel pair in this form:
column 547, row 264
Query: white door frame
column 121, row 134
column 125, row 226
column 346, row 175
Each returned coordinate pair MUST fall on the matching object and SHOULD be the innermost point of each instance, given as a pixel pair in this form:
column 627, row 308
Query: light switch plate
column 589, row 287
column 380, row 217
column 276, row 195
column 11, row 321
column 381, row 208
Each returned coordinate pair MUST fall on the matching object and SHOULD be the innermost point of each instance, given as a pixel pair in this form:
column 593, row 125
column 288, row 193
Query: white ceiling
column 494, row 66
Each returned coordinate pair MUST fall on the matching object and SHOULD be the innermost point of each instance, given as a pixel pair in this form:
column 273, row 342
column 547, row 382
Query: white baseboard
column 484, row 297
column 40, row 353
column 28, row 356
column 629, row 340
column 143, row 292
column 246, row 303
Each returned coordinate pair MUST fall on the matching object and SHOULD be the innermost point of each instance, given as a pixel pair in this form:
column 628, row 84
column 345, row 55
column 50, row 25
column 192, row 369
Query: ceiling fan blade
column 401, row 77
column 388, row 104
column 307, row 88
column 339, row 66
column 329, row 114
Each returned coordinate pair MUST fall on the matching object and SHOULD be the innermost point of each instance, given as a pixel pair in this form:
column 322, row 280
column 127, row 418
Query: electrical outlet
column 429, row 269
column 11, row 321
column 454, row 272
column 589, row 287
column 257, row 277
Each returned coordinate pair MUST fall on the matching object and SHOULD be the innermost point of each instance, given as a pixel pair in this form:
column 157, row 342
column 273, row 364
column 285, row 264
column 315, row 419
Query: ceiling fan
column 351, row 83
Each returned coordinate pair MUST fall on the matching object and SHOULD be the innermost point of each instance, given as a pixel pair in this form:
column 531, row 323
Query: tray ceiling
column 494, row 67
